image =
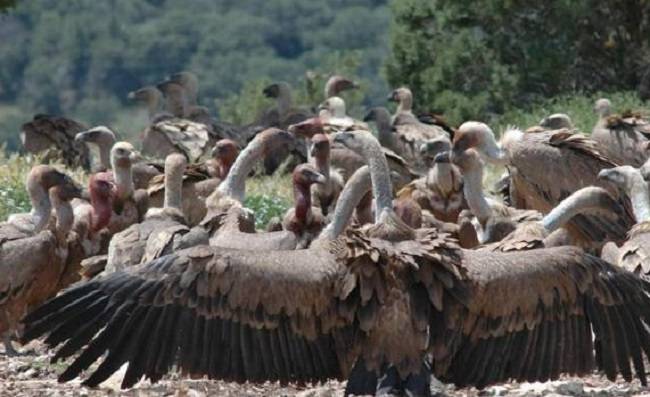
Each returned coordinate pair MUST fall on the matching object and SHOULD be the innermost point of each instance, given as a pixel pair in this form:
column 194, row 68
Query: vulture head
column 102, row 188
column 468, row 160
column 101, row 136
column 624, row 177
column 403, row 96
column 65, row 192
column 603, row 107
column 409, row 212
column 307, row 128
column 477, row 135
column 430, row 149
column 123, row 155
column 337, row 84
column 320, row 147
column 225, row 152
column 305, row 175
column 334, row 106
column 148, row 95
column 445, row 178
column 556, row 121
column 273, row 139
column 276, row 90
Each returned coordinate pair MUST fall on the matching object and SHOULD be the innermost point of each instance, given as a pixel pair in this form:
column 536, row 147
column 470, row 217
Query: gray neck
column 41, row 206
column 235, row 183
column 104, row 155
column 582, row 201
column 174, row 187
column 384, row 130
column 405, row 105
column 124, row 180
column 284, row 101
column 441, row 178
column 473, row 189
column 382, row 188
column 64, row 217
column 494, row 154
column 356, row 187
column 640, row 197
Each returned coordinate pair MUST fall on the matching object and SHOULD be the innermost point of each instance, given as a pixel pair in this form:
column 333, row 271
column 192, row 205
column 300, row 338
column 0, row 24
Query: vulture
column 347, row 161
column 334, row 116
column 54, row 136
column 303, row 220
column 545, row 168
column 33, row 260
column 411, row 132
column 199, row 181
column 495, row 220
column 547, row 233
column 634, row 254
column 625, row 137
column 152, row 98
column 337, row 84
column 282, row 116
column 162, row 229
column 440, row 192
column 384, row 300
column 102, row 139
column 324, row 195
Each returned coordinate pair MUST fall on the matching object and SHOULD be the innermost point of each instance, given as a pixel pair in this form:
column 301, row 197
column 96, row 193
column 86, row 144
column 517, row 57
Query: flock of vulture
column 393, row 266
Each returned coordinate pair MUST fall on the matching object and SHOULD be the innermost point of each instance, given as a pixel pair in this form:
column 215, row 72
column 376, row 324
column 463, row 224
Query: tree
column 470, row 61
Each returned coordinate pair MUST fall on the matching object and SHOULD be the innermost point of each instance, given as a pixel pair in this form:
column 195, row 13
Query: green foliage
column 6, row 4
column 82, row 61
column 268, row 197
column 475, row 62
column 578, row 107
column 13, row 196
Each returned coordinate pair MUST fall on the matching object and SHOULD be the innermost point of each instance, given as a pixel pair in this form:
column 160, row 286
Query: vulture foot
column 10, row 351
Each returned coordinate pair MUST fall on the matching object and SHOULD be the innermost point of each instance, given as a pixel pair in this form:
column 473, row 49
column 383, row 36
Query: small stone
column 571, row 388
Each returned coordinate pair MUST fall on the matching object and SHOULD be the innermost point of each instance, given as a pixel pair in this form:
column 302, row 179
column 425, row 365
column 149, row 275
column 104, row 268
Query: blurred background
column 502, row 62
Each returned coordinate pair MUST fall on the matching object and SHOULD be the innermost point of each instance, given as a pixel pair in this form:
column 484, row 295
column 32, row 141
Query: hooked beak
column 391, row 97
column 135, row 156
column 319, row 178
column 339, row 137
column 81, row 136
column 605, row 175
column 131, row 95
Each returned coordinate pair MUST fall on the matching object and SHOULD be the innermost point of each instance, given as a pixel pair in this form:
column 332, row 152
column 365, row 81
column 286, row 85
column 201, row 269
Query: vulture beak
column 131, row 95
column 369, row 116
column 392, row 97
column 323, row 106
column 81, row 136
column 319, row 178
column 442, row 157
column 135, row 156
column 606, row 174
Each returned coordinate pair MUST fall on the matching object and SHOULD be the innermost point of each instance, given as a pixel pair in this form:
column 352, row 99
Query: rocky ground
column 32, row 375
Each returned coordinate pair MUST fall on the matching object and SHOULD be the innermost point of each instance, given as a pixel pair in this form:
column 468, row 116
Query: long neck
column 101, row 212
column 355, row 189
column 174, row 187
column 41, row 206
column 405, row 104
column 473, row 189
column 64, row 217
column 123, row 181
column 382, row 187
column 153, row 105
column 176, row 104
column 302, row 198
column 640, row 197
column 235, row 183
column 582, row 201
column 192, row 93
column 104, row 155
column 322, row 164
column 384, row 130
column 284, row 101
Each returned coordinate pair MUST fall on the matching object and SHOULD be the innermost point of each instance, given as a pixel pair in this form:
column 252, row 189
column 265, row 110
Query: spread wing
column 227, row 314
column 530, row 317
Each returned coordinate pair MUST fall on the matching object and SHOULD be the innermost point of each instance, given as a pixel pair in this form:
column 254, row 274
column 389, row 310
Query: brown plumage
column 32, row 263
column 545, row 168
column 625, row 137
column 199, row 181
column 54, row 136
column 324, row 195
column 634, row 254
column 381, row 297
column 440, row 192
column 409, row 130
column 347, row 161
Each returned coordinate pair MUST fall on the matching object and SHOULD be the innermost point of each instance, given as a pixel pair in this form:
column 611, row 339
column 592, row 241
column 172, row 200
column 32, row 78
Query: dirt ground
column 32, row 375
